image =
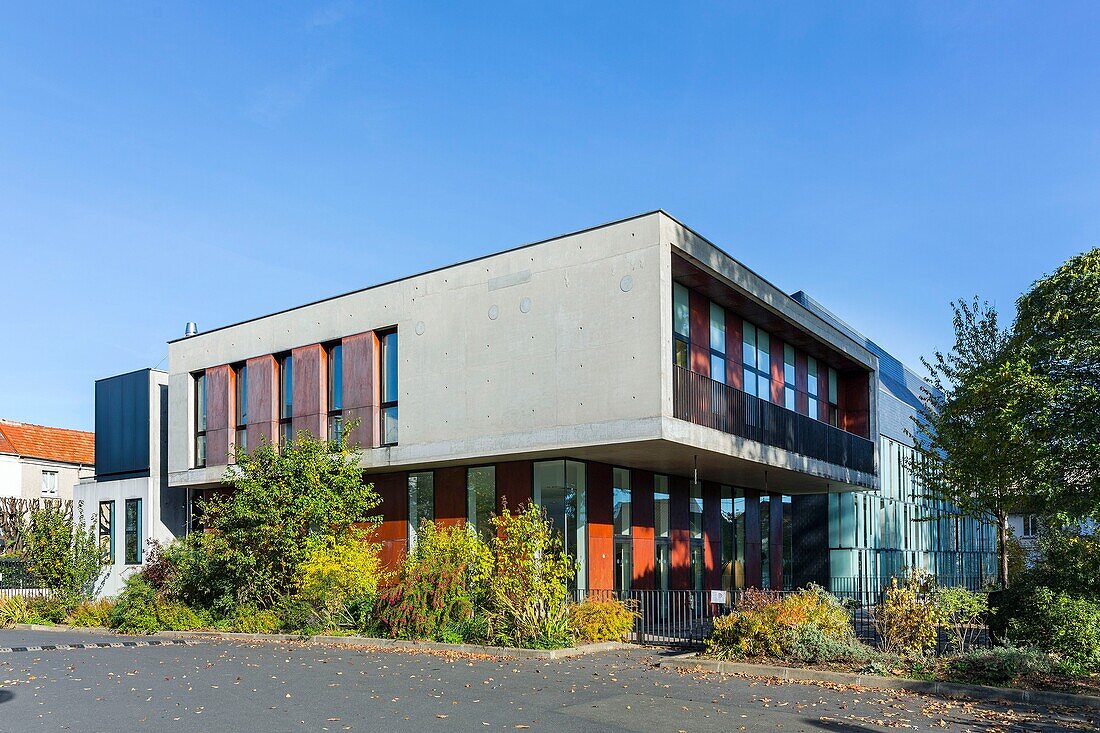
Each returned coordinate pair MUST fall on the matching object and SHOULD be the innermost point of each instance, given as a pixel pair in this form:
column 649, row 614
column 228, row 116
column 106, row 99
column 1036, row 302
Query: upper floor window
column 1031, row 525
column 681, row 326
column 757, row 360
column 717, row 343
column 789, row 392
column 389, row 388
column 834, row 409
column 200, row 419
column 335, row 393
column 811, row 386
column 49, row 483
column 286, row 398
column 240, row 419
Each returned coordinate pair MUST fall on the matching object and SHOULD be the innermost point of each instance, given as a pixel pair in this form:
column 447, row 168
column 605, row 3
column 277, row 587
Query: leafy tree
column 63, row 553
column 973, row 434
column 284, row 504
column 1058, row 331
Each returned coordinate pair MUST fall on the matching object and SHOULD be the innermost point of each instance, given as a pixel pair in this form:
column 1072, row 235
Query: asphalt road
column 270, row 687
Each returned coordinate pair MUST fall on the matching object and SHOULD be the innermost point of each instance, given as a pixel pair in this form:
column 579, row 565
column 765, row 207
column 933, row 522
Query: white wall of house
column 11, row 476
column 92, row 493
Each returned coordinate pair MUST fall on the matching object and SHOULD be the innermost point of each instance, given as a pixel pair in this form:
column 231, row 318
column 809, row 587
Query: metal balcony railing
column 704, row 401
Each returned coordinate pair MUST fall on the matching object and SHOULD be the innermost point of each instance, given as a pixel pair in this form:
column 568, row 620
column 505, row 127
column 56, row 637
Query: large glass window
column 481, row 498
column 834, row 410
column 733, row 538
column 240, row 406
column 199, row 381
column 286, row 398
column 681, row 326
column 765, row 541
column 660, row 506
column 717, row 343
column 133, row 531
column 624, row 563
column 621, row 501
column 811, row 386
column 756, row 354
column 421, row 502
column 389, row 388
column 695, row 510
column 789, row 400
column 107, row 531
column 335, row 393
column 560, row 489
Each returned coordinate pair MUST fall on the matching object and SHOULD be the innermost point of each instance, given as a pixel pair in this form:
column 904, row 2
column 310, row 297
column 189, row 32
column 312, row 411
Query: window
column 107, row 531
column 49, row 483
column 560, row 489
column 681, row 326
column 389, row 388
column 811, row 386
column 788, row 378
column 660, row 506
column 240, row 379
column 133, row 531
column 421, row 502
column 286, row 398
column 765, row 542
column 621, row 501
column 834, row 410
column 335, row 393
column 1031, row 525
column 717, row 343
column 200, row 419
column 695, row 510
column 481, row 498
column 756, row 347
column 733, row 538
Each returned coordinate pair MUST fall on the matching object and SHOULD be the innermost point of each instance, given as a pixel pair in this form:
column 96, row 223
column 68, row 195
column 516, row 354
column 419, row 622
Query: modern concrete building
column 39, row 462
column 127, row 501
column 685, row 423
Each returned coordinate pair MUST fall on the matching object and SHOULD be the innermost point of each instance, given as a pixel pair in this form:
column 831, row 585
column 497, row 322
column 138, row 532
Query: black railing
column 704, row 401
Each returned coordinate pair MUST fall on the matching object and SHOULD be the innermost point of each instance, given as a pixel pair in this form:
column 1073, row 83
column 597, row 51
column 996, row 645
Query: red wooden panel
column 219, row 413
column 310, row 378
column 393, row 532
column 601, row 532
column 854, row 395
column 679, row 517
column 775, row 541
column 514, row 480
column 801, row 383
column 641, row 511
column 752, row 539
column 700, row 333
column 450, row 495
column 360, row 362
column 263, row 418
column 777, row 370
column 712, row 534
column 735, row 326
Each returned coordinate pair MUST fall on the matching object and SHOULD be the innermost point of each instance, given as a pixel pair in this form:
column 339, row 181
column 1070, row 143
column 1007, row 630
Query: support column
column 219, row 414
column 753, row 576
column 360, row 362
column 601, row 530
column 310, row 378
column 641, row 511
column 679, row 518
column 263, row 388
column 712, row 534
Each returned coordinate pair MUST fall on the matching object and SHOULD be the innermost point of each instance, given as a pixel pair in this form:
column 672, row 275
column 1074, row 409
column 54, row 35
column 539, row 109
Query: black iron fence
column 16, row 579
column 704, row 401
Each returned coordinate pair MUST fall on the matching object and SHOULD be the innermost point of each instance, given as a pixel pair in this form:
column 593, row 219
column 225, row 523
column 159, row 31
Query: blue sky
column 165, row 163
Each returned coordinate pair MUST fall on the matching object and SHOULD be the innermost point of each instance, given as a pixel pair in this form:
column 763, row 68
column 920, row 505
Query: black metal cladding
column 704, row 401
column 122, row 425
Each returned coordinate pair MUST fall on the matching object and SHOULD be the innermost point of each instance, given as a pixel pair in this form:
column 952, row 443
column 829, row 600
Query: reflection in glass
column 559, row 488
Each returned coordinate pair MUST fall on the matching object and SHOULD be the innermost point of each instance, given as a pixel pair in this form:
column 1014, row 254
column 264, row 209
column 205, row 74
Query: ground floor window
column 421, row 502
column 560, row 488
column 481, row 498
column 733, row 538
column 107, row 531
column 661, row 564
column 133, row 531
column 624, row 563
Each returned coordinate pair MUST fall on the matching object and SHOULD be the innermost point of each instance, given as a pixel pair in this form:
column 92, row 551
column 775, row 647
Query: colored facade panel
column 360, row 361
column 641, row 530
column 219, row 414
column 310, row 390
column 263, row 418
column 601, row 533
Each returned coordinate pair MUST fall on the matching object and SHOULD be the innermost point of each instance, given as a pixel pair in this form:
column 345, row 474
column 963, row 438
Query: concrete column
column 310, row 390
column 641, row 511
column 263, row 391
column 219, row 414
column 601, row 530
column 361, row 375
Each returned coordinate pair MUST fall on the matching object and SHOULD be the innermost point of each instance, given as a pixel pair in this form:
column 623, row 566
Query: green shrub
column 963, row 613
column 340, row 572
column 1000, row 665
column 1053, row 621
column 175, row 616
column 14, row 610
column 296, row 616
column 533, row 624
column 907, row 618
column 91, row 614
column 249, row 619
column 63, row 553
column 135, row 610
column 809, row 625
column 51, row 609
column 596, row 620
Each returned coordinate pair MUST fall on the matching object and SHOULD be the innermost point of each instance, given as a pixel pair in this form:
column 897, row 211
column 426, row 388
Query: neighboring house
column 125, row 502
column 39, row 462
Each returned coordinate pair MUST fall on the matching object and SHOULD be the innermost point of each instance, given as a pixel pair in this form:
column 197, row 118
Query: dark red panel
column 735, row 326
column 450, row 495
column 310, row 377
column 513, row 484
column 601, row 532
column 219, row 414
column 641, row 510
column 263, row 418
column 679, row 517
column 752, row 539
column 854, row 394
column 700, row 333
column 393, row 532
column 775, row 541
column 360, row 363
column 712, row 534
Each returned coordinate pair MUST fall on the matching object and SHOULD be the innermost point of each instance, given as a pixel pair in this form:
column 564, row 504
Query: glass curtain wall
column 733, row 538
column 560, row 489
column 481, row 498
column 421, row 502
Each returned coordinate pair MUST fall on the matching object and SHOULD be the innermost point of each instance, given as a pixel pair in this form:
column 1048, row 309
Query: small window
column 421, row 502
column 133, row 531
column 481, row 498
column 107, row 531
column 286, row 398
column 199, row 380
column 811, row 386
column 336, row 393
column 49, row 483
column 240, row 379
column 1031, row 525
column 389, row 388
column 834, row 407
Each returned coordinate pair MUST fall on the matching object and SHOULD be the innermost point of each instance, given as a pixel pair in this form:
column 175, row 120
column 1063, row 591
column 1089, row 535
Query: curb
column 351, row 640
column 693, row 663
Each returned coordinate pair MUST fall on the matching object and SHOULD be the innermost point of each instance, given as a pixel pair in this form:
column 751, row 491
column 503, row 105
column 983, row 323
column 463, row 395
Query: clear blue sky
column 167, row 163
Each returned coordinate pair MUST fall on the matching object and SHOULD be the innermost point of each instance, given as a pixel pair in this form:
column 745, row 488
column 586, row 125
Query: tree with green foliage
column 286, row 502
column 63, row 553
column 1057, row 331
column 974, row 432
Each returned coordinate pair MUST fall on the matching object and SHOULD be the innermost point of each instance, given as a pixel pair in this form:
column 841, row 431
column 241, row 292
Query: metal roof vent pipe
column 191, row 329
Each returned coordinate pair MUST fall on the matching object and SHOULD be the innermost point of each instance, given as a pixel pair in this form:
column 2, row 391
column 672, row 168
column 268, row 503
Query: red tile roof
column 52, row 444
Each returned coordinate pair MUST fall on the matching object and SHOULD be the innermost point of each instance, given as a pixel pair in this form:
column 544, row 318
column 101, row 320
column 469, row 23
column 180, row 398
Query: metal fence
column 17, row 580
column 684, row 618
